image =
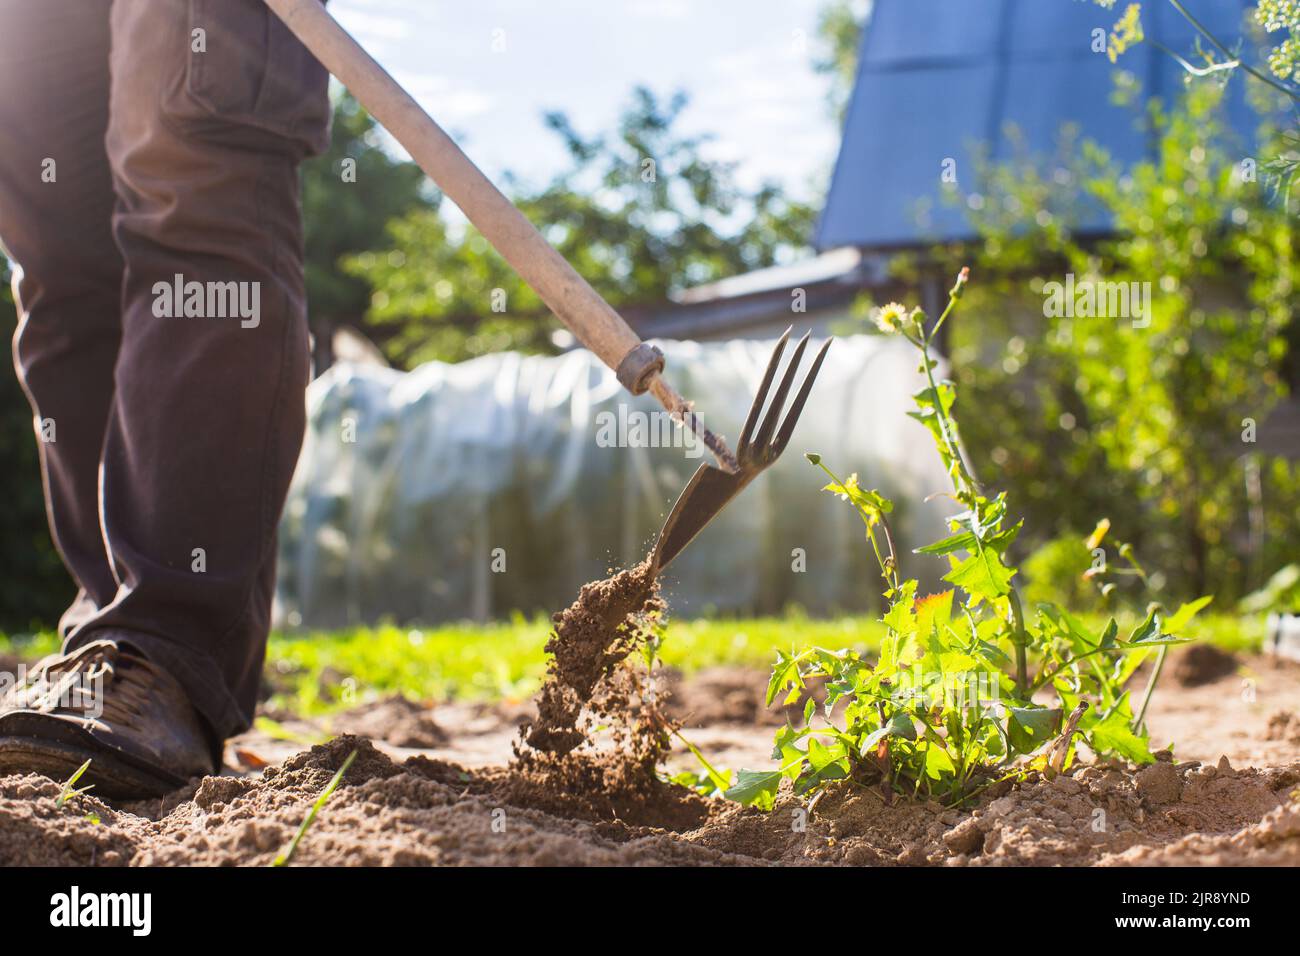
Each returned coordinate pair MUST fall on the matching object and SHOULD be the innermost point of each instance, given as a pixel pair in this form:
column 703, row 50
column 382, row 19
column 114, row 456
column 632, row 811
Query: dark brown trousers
column 142, row 140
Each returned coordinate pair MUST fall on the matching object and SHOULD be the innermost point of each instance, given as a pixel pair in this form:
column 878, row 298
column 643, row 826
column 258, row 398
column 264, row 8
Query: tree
column 839, row 30
column 350, row 194
column 1088, row 416
column 640, row 213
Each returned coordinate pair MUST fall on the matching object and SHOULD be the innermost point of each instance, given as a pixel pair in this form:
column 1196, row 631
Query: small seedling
column 70, row 786
column 708, row 783
column 284, row 858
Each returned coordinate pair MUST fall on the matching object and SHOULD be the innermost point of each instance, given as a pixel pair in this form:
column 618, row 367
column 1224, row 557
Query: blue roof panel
column 936, row 79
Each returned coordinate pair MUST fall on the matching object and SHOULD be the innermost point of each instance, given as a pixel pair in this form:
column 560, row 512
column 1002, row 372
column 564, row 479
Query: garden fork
column 711, row 488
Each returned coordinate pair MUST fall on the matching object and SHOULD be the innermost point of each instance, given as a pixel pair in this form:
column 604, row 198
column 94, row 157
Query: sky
column 487, row 70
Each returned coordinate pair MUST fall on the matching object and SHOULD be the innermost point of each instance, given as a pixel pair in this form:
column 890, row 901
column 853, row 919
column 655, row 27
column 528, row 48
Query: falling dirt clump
column 592, row 637
column 600, row 734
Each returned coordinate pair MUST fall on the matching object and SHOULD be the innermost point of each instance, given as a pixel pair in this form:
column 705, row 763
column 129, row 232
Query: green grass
column 505, row 661
column 312, row 673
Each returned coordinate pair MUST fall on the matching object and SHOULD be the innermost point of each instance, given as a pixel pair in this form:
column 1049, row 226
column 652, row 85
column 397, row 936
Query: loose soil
column 466, row 784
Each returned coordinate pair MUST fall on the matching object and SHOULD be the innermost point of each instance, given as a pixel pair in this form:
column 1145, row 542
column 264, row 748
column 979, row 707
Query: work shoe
column 106, row 703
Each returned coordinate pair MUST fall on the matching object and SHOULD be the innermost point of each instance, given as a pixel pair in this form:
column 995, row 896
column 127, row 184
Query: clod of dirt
column 1199, row 664
column 36, row 831
column 1160, row 783
column 1284, row 726
column 394, row 720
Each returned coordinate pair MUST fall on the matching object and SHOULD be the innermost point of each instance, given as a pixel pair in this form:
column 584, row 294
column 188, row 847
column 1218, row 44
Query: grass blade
column 284, row 858
column 71, row 783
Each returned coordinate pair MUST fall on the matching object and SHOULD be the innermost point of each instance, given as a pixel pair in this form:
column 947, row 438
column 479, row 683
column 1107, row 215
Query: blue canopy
column 939, row 77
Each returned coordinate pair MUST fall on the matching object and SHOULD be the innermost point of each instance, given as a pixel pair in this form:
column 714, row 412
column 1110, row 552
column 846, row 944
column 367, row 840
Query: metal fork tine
column 792, row 416
column 711, row 488
column 778, row 400
column 761, row 395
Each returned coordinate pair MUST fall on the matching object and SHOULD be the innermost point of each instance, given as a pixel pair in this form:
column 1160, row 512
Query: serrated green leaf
column 938, row 763
column 982, row 574
column 785, row 670
column 962, row 541
column 1113, row 736
column 901, row 619
column 967, row 541
column 1031, row 727
column 1150, row 634
column 900, row 725
column 934, row 612
column 755, row 788
column 821, row 756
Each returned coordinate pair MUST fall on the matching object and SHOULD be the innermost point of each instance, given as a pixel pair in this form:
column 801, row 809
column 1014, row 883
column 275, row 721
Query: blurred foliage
column 350, row 193
column 839, row 34
column 1282, row 16
column 1280, row 593
column 639, row 213
column 1279, row 23
column 1054, row 572
column 34, row 589
column 1146, row 425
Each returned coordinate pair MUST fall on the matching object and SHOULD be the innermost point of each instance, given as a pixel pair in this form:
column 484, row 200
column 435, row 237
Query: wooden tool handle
column 565, row 292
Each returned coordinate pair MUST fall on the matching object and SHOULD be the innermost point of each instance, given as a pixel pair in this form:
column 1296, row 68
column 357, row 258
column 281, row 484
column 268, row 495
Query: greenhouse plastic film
column 502, row 484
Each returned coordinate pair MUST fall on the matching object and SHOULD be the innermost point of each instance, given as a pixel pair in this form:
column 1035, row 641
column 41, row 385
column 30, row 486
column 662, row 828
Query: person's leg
column 56, row 201
column 213, row 105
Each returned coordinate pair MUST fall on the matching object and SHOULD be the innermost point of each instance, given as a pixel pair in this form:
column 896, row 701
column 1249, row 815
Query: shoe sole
column 112, row 777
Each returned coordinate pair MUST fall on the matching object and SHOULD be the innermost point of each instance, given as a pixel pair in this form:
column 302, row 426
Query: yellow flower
column 889, row 318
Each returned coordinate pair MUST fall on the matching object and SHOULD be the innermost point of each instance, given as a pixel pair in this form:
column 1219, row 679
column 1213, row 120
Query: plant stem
column 1257, row 74
column 1151, row 686
column 1022, row 662
column 952, row 302
column 889, row 571
column 1048, row 675
column 718, row 780
column 945, row 427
